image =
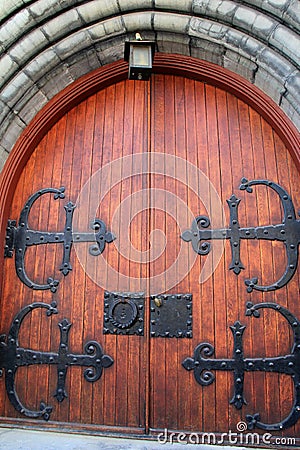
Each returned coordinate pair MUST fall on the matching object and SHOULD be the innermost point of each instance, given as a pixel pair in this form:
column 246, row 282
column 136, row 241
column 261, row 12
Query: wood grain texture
column 190, row 131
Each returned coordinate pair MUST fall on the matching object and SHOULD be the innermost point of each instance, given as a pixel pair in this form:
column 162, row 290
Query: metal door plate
column 171, row 315
column 124, row 313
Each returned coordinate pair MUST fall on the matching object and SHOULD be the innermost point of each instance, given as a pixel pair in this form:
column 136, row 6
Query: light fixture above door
column 139, row 54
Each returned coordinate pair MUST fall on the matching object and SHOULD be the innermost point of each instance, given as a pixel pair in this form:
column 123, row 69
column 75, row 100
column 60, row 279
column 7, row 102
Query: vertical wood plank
column 158, row 353
column 223, row 138
column 78, row 279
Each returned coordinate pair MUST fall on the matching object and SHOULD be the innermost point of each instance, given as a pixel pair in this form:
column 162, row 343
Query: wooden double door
column 156, row 162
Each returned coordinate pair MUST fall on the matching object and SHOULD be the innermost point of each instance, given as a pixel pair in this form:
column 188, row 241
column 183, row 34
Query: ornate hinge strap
column 202, row 365
column 20, row 237
column 12, row 356
column 287, row 232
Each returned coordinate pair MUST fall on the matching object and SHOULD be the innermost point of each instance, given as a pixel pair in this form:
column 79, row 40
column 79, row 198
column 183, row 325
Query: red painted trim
column 112, row 73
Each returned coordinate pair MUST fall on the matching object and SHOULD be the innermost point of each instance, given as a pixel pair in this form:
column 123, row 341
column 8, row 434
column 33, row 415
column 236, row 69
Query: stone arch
column 48, row 45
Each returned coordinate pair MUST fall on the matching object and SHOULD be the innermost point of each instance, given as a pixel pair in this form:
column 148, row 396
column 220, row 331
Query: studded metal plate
column 124, row 313
column 171, row 315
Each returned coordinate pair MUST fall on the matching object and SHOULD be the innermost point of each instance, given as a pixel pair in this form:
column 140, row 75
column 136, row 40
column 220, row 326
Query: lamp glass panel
column 141, row 56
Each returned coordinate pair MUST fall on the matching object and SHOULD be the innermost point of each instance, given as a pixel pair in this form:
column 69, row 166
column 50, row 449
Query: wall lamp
column 140, row 56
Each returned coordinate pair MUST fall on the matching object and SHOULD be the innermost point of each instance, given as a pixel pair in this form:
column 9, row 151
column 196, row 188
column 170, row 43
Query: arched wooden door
column 113, row 304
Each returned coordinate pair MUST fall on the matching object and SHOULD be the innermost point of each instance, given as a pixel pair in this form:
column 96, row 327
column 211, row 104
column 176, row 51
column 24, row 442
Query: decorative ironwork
column 124, row 313
column 171, row 315
column 202, row 366
column 12, row 357
column 287, row 232
column 20, row 237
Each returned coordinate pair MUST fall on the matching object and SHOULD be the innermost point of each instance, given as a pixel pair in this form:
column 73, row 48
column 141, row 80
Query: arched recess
column 205, row 73
column 100, row 78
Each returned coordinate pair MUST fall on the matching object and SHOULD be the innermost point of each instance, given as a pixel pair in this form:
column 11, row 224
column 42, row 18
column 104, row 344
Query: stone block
column 3, row 156
column 183, row 5
column 4, row 110
column 43, row 9
column 230, row 38
column 110, row 50
column 29, row 46
column 42, row 64
column 263, row 26
column 240, row 65
column 139, row 22
column 7, row 68
column 227, row 10
column 15, row 27
column 269, row 84
column 62, row 25
column 97, row 32
column 76, row 42
column 206, row 7
column 290, row 111
column 98, row 9
column 294, row 102
column 129, row 5
column 10, row 131
column 83, row 63
column 276, row 7
column 207, row 50
column 15, row 89
column 174, row 23
column 235, row 39
column 272, row 63
column 291, row 98
column 244, row 18
column 251, row 47
column 8, row 6
column 173, row 43
column 55, row 81
column 200, row 28
column 287, row 42
column 106, row 29
column 293, row 86
column 113, row 26
column 292, row 15
column 31, row 104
